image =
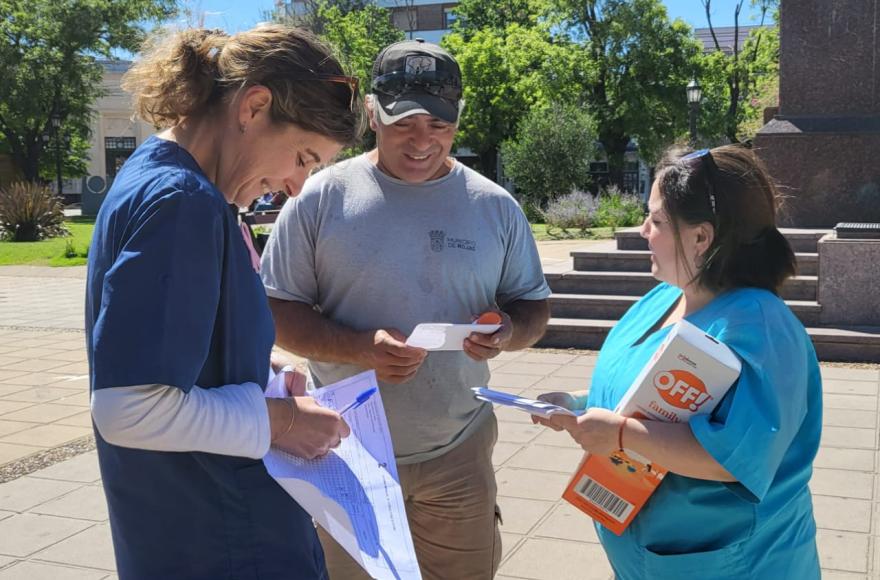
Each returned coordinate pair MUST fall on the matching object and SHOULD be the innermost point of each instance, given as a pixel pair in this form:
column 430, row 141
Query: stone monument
column 823, row 145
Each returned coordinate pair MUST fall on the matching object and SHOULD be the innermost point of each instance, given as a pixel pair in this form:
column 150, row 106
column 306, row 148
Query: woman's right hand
column 315, row 431
column 572, row 401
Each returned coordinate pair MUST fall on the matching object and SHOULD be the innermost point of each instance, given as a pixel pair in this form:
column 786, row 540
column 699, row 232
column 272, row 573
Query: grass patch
column 66, row 251
column 544, row 234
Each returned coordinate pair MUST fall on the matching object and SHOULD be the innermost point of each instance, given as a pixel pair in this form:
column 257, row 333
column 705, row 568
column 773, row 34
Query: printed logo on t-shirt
column 437, row 237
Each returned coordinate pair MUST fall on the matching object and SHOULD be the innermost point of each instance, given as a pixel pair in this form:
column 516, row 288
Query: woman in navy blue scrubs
column 178, row 326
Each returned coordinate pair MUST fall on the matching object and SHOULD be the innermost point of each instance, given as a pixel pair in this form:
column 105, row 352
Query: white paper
column 443, row 336
column 530, row 406
column 354, row 491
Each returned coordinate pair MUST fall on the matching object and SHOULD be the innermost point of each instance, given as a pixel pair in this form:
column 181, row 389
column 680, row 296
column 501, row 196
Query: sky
column 235, row 15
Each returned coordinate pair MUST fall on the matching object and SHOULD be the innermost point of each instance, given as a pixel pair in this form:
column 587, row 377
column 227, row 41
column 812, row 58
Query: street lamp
column 56, row 126
column 694, row 95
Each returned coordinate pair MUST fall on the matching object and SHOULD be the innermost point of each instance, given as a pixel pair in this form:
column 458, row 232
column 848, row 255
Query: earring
column 242, row 128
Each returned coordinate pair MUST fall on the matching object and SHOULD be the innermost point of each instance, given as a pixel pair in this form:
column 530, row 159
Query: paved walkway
column 53, row 522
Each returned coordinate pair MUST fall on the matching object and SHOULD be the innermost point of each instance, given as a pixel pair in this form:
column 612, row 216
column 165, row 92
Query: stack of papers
column 444, row 336
column 353, row 492
column 530, row 406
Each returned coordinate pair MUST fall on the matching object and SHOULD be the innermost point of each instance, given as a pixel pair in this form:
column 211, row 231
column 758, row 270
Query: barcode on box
column 604, row 499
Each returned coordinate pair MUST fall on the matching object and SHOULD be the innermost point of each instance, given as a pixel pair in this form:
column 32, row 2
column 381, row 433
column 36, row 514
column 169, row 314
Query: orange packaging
column 688, row 375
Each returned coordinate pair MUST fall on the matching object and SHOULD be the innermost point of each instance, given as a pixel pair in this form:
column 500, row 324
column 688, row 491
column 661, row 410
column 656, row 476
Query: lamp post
column 694, row 95
column 56, row 125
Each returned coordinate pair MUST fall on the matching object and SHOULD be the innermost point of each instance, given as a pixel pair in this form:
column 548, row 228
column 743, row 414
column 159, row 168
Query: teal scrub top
column 765, row 432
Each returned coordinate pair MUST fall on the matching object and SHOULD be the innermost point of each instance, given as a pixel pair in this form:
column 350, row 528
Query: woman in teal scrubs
column 735, row 503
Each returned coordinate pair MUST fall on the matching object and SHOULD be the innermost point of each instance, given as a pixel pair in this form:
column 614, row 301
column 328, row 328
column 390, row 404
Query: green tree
column 551, row 154
column 357, row 37
column 639, row 65
column 49, row 52
column 507, row 73
column 738, row 83
column 475, row 15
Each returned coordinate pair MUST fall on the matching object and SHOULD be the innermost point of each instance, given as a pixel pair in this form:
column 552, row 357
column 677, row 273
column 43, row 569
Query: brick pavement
column 53, row 523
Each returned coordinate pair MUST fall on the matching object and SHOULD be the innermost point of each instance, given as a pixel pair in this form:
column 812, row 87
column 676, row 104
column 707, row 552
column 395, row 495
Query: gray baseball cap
column 415, row 77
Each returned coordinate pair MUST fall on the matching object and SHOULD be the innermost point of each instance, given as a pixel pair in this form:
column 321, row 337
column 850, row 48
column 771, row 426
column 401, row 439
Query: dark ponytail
column 748, row 250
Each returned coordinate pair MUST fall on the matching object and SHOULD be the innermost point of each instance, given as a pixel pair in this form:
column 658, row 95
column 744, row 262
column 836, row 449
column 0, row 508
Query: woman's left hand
column 295, row 381
column 596, row 430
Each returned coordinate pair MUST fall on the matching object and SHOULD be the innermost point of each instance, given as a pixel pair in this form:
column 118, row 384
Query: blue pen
column 359, row 400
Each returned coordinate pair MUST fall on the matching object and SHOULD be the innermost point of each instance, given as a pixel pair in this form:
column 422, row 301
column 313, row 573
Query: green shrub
column 29, row 212
column 618, row 210
column 69, row 249
column 551, row 154
column 575, row 210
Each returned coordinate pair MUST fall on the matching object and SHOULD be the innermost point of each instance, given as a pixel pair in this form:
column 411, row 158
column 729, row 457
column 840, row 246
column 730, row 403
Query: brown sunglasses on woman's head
column 352, row 82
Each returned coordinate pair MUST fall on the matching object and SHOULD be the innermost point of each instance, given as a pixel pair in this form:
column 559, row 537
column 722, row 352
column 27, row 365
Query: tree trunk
column 489, row 164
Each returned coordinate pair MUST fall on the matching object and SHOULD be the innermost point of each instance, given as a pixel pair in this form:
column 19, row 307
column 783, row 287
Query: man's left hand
column 482, row 347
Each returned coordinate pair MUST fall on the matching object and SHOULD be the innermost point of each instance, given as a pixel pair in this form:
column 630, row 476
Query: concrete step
column 801, row 240
column 604, row 307
column 639, row 283
column 832, row 344
column 640, row 261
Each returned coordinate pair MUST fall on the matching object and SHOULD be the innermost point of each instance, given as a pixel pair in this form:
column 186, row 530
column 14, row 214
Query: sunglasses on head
column 395, row 84
column 704, row 156
column 352, row 82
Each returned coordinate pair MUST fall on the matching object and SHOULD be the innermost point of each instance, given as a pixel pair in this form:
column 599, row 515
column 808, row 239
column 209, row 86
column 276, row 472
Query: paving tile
column 23, row 534
column 9, row 359
column 76, row 368
column 7, row 375
column 82, row 468
column 511, row 415
column 530, row 483
column 45, row 413
column 521, row 515
column 26, row 492
column 504, row 451
column 92, row 548
column 522, row 368
column 547, row 358
column 842, row 483
column 849, row 437
column 28, row 353
column 518, row 432
column 5, row 561
column 840, row 458
column 545, row 559
column 557, row 439
column 849, row 374
column 582, row 372
column 81, row 419
column 566, row 522
column 838, row 575
column 85, row 503
column 509, row 356
column 856, row 402
column 556, row 383
column 7, row 406
column 546, row 458
column 843, row 550
column 844, row 514
column 588, row 359
column 9, row 389
column 80, row 399
column 47, row 435
column 509, row 543
column 41, row 395
column 849, row 418
column 5, row 514
column 850, row 387
column 35, row 365
column 512, row 382
column 9, row 427
column 9, row 452
column 44, row 571
column 78, row 355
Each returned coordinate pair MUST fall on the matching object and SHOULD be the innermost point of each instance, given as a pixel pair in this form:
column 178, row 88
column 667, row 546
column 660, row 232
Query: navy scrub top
column 172, row 298
column 765, row 432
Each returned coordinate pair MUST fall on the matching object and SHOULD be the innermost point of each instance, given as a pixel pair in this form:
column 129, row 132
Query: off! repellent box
column 689, row 374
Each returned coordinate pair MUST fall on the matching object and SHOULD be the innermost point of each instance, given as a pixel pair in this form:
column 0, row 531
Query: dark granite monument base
column 828, row 169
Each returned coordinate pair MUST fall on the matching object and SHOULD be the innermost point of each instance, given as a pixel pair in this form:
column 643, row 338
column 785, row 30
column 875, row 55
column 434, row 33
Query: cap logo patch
column 418, row 64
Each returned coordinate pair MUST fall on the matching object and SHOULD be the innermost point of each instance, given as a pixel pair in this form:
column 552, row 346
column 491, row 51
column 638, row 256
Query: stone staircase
column 594, row 289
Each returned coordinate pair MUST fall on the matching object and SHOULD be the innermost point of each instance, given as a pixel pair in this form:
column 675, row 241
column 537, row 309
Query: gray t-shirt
column 372, row 252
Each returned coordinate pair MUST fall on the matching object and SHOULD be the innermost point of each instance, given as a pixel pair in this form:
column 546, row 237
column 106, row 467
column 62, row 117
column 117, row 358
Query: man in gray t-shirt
column 403, row 235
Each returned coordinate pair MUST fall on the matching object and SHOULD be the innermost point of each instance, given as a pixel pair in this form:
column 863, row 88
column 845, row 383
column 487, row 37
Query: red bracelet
column 620, row 433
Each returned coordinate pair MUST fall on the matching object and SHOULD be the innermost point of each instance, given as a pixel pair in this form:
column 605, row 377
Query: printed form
column 353, row 492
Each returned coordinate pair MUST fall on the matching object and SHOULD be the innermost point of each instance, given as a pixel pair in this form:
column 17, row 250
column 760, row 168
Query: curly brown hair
column 187, row 73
